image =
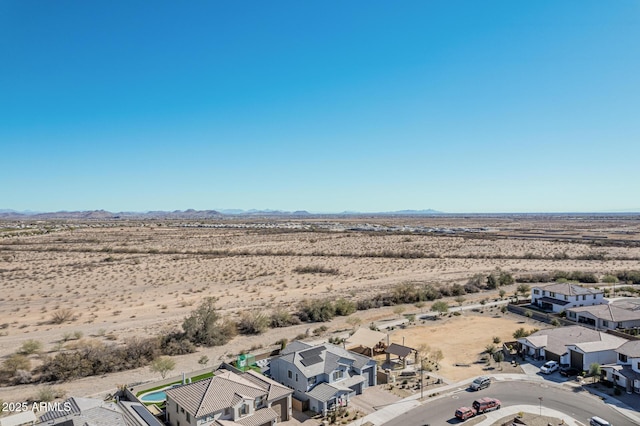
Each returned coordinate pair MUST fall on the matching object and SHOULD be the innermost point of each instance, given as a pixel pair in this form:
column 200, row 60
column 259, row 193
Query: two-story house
column 626, row 371
column 326, row 375
column 560, row 296
column 229, row 399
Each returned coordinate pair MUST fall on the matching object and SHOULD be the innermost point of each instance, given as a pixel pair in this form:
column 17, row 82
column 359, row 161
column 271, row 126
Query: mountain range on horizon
column 192, row 214
column 188, row 214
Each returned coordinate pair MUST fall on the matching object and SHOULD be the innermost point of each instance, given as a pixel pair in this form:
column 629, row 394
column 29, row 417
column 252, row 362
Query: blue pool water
column 157, row 396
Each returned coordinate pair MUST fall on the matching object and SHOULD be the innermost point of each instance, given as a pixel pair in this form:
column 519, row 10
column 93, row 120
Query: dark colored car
column 568, row 371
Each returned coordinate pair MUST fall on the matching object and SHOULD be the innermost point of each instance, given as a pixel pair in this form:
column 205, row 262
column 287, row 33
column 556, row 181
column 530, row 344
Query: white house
column 626, row 371
column 560, row 296
column 575, row 345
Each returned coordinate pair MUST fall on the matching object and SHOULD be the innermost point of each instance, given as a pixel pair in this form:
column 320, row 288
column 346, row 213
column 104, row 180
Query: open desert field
column 120, row 279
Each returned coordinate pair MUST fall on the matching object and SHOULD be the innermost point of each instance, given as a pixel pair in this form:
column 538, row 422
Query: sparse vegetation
column 162, row 365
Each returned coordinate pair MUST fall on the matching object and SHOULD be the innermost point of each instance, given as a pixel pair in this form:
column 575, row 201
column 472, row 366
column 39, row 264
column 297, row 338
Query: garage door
column 550, row 356
column 577, row 360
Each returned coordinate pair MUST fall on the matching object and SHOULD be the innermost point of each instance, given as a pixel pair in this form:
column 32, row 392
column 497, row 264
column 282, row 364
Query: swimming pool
column 156, row 396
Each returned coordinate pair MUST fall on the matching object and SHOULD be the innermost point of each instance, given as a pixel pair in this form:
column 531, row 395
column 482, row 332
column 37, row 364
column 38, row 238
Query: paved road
column 578, row 404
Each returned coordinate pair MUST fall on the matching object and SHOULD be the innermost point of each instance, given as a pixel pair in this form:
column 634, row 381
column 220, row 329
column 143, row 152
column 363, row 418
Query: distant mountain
column 106, row 215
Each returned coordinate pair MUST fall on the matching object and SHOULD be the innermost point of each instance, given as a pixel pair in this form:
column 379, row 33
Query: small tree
column 523, row 289
column 440, row 306
column 253, row 322
column 460, row 300
column 502, row 292
column 594, row 371
column 520, row 333
column 498, row 356
column 16, row 362
column 162, row 365
column 437, row 356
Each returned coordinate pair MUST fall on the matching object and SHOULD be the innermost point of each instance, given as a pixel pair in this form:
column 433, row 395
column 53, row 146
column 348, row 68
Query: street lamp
column 540, row 398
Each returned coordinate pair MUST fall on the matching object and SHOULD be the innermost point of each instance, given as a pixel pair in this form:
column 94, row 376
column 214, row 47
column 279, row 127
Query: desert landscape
column 117, row 279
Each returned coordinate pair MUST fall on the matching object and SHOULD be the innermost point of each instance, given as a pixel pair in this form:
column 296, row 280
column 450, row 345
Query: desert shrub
column 457, row 290
column 205, row 326
column 318, row 310
column 30, row 347
column 344, row 307
column 176, row 344
column 48, row 394
column 253, row 322
column 534, row 278
column 316, row 269
column 15, row 362
column 520, row 333
column 632, row 277
column 61, row 316
column 280, row 317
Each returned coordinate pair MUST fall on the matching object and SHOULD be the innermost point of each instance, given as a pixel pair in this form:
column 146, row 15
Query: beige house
column 229, row 399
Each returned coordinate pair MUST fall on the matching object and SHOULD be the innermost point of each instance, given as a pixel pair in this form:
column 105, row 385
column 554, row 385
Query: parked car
column 479, row 406
column 597, row 421
column 549, row 367
column 568, row 371
column 480, row 383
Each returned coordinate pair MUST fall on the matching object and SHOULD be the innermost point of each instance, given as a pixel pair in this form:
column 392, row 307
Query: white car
column 549, row 367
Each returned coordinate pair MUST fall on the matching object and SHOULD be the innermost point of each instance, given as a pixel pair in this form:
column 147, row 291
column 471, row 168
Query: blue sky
column 459, row 106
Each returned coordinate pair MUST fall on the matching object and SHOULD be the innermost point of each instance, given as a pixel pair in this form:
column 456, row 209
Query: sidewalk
column 391, row 411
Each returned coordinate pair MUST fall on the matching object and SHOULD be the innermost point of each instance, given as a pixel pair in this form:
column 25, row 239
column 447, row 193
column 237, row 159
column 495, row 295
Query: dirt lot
column 137, row 278
column 462, row 341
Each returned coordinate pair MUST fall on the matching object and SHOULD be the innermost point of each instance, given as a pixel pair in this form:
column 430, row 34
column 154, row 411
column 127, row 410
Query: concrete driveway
column 372, row 399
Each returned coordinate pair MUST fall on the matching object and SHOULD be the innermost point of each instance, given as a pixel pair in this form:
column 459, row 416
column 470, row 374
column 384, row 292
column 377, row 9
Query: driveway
column 372, row 399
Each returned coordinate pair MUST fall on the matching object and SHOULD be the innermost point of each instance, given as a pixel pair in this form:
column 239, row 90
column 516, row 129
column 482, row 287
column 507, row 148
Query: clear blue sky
column 459, row 106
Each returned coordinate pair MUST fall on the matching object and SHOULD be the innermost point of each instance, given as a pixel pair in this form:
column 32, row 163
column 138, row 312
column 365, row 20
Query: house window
column 289, row 374
column 337, row 375
column 227, row 411
column 296, row 377
column 638, row 366
column 605, row 323
column 259, row 402
column 566, row 297
column 244, row 409
column 177, row 408
column 312, row 381
column 594, row 296
column 188, row 417
column 584, row 297
column 622, row 358
column 536, row 291
column 552, row 294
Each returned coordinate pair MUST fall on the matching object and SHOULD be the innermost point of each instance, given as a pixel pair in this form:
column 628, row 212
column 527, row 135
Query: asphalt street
column 577, row 403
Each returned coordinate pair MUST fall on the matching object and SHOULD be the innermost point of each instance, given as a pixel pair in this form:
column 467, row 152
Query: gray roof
column 295, row 346
column 555, row 340
column 630, row 349
column 399, row 350
column 324, row 359
column 89, row 411
column 569, row 289
column 215, row 394
column 609, row 312
column 326, row 391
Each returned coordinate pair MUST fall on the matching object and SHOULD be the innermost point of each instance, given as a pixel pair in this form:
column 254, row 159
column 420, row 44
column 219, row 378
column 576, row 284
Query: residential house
column 326, row 376
column 95, row 412
column 560, row 296
column 229, row 399
column 625, row 372
column 618, row 315
column 574, row 345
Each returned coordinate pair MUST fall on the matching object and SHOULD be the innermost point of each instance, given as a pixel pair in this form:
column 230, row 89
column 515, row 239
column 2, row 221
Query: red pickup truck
column 479, row 406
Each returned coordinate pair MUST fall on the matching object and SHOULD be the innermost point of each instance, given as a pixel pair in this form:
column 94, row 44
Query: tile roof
column 259, row 417
column 275, row 390
column 569, row 289
column 607, row 342
column 215, row 394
